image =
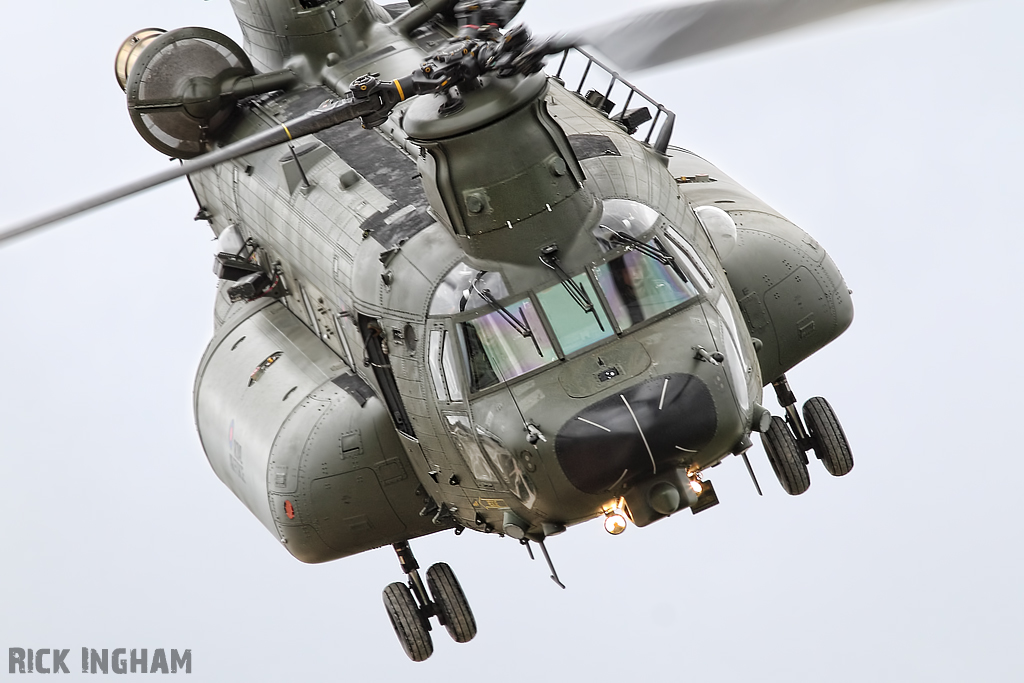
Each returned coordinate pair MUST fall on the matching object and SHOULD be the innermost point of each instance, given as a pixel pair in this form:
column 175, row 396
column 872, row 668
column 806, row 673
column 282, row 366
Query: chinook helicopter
column 443, row 344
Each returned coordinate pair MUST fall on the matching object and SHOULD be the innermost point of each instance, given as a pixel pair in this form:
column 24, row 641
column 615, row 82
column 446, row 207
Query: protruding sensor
column 721, row 228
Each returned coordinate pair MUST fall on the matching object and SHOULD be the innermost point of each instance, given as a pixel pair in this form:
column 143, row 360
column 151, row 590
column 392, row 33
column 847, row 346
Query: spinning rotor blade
column 674, row 33
column 327, row 115
column 653, row 38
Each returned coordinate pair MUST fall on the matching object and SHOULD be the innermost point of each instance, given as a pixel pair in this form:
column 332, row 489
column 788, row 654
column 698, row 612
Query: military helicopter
column 576, row 297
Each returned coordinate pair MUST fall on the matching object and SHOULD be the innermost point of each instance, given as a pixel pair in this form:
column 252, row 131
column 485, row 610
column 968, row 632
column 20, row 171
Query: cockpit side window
column 638, row 287
column 499, row 351
column 690, row 255
column 451, row 378
column 434, row 364
column 462, row 434
column 441, row 363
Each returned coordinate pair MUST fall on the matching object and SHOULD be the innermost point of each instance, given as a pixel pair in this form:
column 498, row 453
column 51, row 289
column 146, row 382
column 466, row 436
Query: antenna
column 302, row 171
column 750, row 471
column 551, row 566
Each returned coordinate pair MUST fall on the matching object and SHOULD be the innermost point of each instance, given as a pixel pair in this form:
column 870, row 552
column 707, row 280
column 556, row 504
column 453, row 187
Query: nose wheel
column 787, row 441
column 410, row 607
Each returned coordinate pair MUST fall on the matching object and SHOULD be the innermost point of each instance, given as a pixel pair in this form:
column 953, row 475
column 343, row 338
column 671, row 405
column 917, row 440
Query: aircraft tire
column 830, row 444
column 786, row 457
column 453, row 608
column 408, row 622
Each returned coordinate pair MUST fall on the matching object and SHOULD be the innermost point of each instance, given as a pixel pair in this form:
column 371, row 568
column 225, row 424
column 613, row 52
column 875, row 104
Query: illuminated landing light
column 614, row 523
column 696, row 486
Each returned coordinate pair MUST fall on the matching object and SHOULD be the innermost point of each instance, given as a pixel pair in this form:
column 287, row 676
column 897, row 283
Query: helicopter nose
column 638, row 431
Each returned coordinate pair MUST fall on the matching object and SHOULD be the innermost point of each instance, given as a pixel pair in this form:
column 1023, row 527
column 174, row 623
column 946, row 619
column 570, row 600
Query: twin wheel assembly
column 410, row 606
column 786, row 441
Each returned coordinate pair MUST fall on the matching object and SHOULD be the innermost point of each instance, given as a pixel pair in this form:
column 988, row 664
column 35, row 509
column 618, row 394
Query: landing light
column 615, row 523
column 696, row 486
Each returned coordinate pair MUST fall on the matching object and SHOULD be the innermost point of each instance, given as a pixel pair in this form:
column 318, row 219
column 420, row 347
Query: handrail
column 663, row 119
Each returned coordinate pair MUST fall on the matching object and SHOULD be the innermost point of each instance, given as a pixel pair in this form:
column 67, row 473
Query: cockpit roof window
column 460, row 289
column 638, row 287
column 623, row 216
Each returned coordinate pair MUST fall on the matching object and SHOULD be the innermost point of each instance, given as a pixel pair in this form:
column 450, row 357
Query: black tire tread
column 453, row 608
column 407, row 621
column 828, row 437
column 785, row 457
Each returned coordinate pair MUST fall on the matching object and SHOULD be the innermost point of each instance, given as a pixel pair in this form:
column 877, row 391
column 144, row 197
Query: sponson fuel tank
column 304, row 443
column 793, row 298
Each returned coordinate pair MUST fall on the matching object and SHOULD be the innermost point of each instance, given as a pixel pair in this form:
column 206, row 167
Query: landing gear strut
column 410, row 607
column 787, row 441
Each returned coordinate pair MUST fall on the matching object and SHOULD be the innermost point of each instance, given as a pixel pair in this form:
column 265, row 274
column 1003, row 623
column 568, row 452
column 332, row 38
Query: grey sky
column 894, row 138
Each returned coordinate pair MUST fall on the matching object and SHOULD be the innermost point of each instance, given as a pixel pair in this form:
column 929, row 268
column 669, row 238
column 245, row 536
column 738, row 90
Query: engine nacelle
column 303, row 442
column 179, row 86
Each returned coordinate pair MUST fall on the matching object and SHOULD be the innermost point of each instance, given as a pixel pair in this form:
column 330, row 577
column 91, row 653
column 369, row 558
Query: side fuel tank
column 303, row 442
column 791, row 294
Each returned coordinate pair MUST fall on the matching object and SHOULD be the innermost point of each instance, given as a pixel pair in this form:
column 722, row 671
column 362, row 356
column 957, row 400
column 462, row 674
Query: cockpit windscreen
column 639, row 287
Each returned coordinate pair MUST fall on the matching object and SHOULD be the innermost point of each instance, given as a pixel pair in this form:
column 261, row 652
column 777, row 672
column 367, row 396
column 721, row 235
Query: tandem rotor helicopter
column 461, row 292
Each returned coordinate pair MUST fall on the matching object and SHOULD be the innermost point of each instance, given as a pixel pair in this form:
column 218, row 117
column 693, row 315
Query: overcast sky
column 895, row 139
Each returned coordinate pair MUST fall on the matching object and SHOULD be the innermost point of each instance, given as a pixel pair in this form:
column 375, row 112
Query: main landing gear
column 786, row 441
column 410, row 607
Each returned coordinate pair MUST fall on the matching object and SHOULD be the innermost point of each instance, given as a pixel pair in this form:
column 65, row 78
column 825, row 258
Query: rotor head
column 483, row 13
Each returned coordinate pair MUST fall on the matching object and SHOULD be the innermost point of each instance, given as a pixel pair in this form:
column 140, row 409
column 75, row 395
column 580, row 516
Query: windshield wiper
column 654, row 251
column 549, row 257
column 521, row 326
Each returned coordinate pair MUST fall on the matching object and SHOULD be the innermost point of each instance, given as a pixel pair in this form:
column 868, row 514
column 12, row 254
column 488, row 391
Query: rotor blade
column 674, row 33
column 327, row 115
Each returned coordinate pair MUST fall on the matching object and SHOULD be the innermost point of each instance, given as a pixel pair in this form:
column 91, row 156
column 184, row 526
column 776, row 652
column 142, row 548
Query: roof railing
column 578, row 62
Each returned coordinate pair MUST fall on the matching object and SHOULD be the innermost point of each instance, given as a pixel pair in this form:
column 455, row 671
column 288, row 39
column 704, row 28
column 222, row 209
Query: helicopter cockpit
column 625, row 365
column 640, row 276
